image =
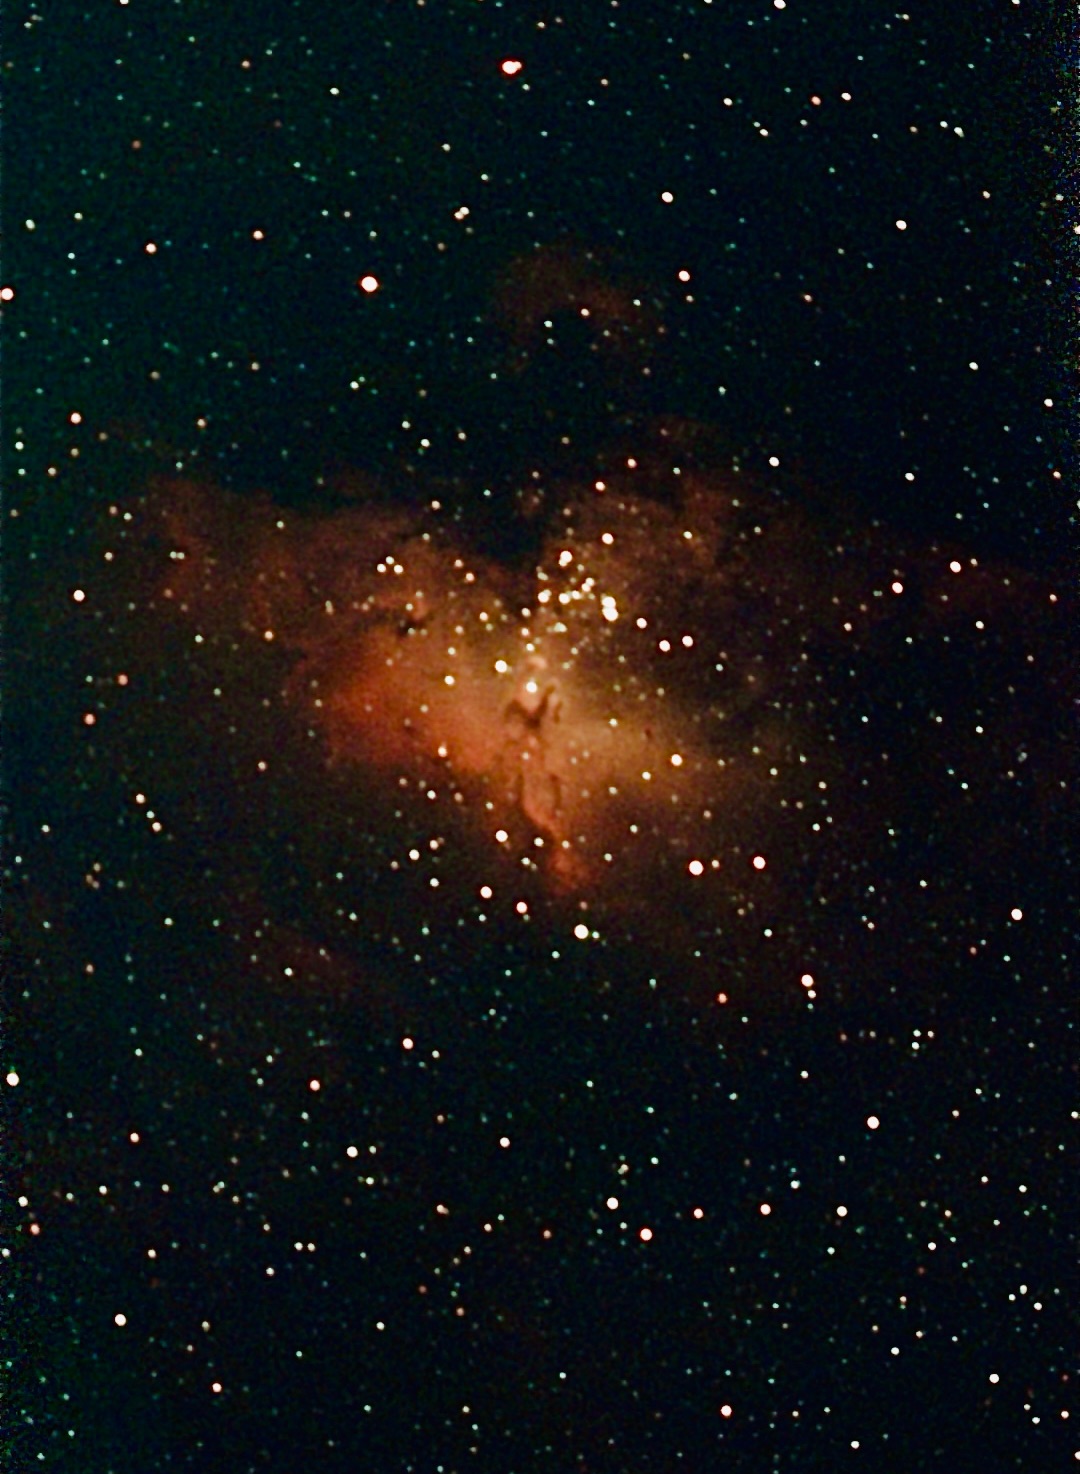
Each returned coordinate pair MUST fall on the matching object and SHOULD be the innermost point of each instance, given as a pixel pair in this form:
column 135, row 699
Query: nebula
column 596, row 712
column 649, row 734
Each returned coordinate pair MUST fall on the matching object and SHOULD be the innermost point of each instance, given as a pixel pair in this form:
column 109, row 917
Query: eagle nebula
column 670, row 722
column 656, row 732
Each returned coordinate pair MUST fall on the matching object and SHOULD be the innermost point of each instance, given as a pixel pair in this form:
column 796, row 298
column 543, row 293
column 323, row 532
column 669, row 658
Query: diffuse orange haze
column 636, row 731
column 605, row 719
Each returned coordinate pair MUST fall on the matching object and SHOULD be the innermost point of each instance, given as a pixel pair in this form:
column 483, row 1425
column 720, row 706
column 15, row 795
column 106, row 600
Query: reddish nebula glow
column 629, row 735
column 604, row 738
column 569, row 707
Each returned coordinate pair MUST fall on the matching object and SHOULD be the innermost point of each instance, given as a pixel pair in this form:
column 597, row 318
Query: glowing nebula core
column 605, row 720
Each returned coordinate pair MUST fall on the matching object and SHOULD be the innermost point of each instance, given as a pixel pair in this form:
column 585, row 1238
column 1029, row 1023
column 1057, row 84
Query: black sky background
column 896, row 315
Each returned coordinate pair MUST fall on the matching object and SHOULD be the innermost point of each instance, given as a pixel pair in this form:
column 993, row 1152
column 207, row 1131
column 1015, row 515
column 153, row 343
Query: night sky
column 540, row 884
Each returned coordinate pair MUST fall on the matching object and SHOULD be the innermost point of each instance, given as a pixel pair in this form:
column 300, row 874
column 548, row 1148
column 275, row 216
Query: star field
column 540, row 671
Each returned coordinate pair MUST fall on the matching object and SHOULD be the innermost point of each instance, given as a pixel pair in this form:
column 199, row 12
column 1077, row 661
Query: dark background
column 587, row 1349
